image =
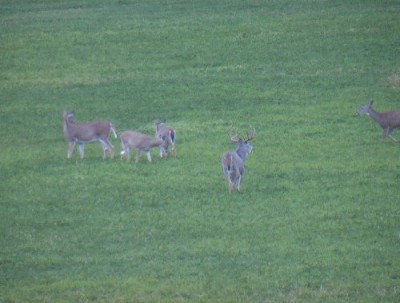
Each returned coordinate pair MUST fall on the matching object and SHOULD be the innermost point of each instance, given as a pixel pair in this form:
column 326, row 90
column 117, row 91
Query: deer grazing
column 389, row 121
column 82, row 133
column 233, row 161
column 140, row 142
column 168, row 135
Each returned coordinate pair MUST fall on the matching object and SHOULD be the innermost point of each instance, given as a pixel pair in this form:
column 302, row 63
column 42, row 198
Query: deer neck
column 159, row 127
column 66, row 125
column 375, row 115
column 156, row 142
column 242, row 154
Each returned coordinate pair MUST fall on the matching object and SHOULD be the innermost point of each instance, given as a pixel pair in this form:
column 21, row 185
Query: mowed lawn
column 318, row 219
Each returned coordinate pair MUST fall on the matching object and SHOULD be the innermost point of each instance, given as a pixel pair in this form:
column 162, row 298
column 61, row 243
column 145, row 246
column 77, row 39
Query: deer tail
column 172, row 136
column 227, row 163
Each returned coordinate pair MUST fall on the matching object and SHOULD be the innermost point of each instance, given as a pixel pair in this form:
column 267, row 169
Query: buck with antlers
column 82, row 133
column 168, row 135
column 389, row 121
column 233, row 161
column 140, row 142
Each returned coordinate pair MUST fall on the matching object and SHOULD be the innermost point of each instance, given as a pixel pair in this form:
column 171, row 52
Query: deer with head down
column 82, row 133
column 233, row 161
column 168, row 135
column 140, row 142
column 389, row 121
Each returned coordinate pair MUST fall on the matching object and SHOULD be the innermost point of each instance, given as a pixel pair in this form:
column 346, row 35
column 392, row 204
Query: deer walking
column 168, row 135
column 82, row 133
column 389, row 121
column 233, row 161
column 140, row 142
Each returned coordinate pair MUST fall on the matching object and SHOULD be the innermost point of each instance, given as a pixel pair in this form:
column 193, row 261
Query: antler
column 234, row 137
column 251, row 134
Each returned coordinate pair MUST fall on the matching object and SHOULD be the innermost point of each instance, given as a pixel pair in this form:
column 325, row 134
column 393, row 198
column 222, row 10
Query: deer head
column 365, row 109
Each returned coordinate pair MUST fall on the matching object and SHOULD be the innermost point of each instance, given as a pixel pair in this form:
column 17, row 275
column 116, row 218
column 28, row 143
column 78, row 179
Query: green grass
column 318, row 219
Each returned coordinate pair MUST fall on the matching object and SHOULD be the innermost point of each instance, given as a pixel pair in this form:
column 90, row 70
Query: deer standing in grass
column 140, row 142
column 233, row 161
column 389, row 121
column 168, row 135
column 82, row 133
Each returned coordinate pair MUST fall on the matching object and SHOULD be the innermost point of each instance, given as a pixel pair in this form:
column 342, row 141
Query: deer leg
column 148, row 153
column 107, row 148
column 82, row 149
column 138, row 152
column 238, row 182
column 163, row 152
column 227, row 168
column 71, row 146
column 173, row 150
column 228, row 179
column 110, row 149
column 126, row 153
column 231, row 184
column 384, row 134
column 105, row 151
column 389, row 134
column 111, row 152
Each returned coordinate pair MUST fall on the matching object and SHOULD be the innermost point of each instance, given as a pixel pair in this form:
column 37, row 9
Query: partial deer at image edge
column 389, row 121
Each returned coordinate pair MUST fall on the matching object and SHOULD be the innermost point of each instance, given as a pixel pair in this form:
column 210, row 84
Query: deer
column 82, row 133
column 233, row 161
column 140, row 142
column 168, row 135
column 389, row 121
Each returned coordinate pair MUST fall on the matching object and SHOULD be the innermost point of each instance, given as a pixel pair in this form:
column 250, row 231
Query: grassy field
column 318, row 219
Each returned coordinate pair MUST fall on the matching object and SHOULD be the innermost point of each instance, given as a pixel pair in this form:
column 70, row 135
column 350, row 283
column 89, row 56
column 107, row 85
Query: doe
column 168, row 135
column 233, row 161
column 140, row 142
column 82, row 133
column 389, row 121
